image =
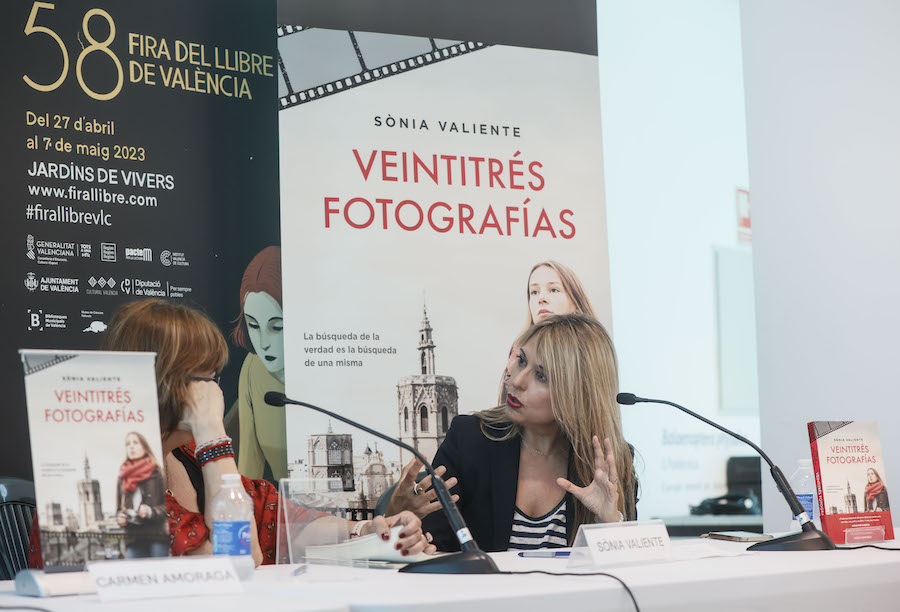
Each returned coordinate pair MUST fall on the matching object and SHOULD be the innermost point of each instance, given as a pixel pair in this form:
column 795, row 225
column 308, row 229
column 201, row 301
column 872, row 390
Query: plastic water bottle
column 803, row 483
column 232, row 513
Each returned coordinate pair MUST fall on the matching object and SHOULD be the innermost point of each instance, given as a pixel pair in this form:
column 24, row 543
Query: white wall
column 674, row 147
column 823, row 116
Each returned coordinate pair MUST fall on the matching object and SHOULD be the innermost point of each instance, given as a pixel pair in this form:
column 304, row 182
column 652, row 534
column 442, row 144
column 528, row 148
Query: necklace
column 527, row 445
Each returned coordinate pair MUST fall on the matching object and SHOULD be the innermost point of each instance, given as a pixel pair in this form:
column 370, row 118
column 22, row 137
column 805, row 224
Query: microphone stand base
column 808, row 539
column 466, row 562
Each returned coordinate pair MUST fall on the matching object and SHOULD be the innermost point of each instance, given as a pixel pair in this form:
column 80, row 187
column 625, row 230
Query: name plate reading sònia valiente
column 165, row 577
column 604, row 544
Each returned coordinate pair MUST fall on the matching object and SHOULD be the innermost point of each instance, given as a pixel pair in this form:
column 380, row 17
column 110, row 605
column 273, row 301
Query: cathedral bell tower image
column 426, row 401
column 89, row 498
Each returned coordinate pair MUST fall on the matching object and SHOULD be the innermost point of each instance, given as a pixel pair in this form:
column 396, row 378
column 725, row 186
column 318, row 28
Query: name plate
column 164, row 577
column 604, row 544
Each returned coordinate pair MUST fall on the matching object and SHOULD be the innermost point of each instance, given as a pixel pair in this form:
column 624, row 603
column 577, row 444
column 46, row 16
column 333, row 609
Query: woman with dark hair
column 141, row 501
column 875, row 495
column 190, row 353
column 260, row 330
column 530, row 472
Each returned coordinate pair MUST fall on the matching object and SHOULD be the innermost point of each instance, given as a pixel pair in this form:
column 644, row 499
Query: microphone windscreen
column 274, row 398
column 626, row 399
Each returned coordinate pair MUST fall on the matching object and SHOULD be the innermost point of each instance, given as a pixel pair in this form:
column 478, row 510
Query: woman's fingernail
column 397, row 546
column 385, row 536
column 402, row 535
column 405, row 552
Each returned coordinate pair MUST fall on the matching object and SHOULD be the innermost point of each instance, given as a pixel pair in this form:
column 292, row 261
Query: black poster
column 139, row 159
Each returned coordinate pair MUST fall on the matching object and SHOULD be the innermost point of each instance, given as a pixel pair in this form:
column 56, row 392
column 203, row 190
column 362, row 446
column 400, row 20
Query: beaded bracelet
column 215, row 453
column 214, row 446
column 213, row 442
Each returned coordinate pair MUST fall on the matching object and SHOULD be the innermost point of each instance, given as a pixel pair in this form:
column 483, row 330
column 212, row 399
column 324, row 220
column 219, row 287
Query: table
column 262, row 594
column 825, row 580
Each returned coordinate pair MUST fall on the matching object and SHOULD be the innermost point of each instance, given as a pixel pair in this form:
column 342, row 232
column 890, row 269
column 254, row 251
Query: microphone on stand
column 471, row 559
column 810, row 538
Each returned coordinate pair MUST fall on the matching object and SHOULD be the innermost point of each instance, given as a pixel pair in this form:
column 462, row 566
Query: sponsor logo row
column 88, row 321
column 105, row 285
column 94, row 321
column 53, row 253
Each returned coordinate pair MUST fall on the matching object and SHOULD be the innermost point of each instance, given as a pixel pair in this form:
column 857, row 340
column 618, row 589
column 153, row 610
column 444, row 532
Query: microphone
column 810, row 538
column 471, row 559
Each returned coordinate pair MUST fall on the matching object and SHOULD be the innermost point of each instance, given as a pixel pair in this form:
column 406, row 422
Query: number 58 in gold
column 31, row 28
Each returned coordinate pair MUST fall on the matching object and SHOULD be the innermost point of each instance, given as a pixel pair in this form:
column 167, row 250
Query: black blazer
column 488, row 474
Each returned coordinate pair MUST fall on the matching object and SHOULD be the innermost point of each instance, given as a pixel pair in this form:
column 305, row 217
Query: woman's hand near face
column 205, row 411
column 511, row 359
column 411, row 539
column 601, row 496
column 423, row 503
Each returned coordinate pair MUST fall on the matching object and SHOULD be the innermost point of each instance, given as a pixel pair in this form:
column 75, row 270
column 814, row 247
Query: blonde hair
column 570, row 284
column 186, row 343
column 582, row 374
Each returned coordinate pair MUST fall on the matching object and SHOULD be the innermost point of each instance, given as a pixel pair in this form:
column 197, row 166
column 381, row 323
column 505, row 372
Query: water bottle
column 232, row 512
column 803, row 483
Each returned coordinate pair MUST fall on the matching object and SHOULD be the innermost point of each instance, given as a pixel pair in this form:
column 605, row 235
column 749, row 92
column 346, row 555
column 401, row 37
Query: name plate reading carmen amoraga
column 171, row 577
column 613, row 543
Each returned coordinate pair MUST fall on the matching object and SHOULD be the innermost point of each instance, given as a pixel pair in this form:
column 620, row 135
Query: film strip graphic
column 38, row 363
column 345, row 59
column 823, row 428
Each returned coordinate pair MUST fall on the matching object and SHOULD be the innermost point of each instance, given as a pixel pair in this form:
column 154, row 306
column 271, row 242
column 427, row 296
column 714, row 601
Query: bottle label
column 231, row 537
column 806, row 500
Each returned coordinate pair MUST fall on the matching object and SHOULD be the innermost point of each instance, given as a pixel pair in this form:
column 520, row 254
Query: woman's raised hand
column 423, row 502
column 411, row 539
column 601, row 496
column 205, row 411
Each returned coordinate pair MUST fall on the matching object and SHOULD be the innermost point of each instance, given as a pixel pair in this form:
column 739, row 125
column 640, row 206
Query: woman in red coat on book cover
column 141, row 501
column 876, row 497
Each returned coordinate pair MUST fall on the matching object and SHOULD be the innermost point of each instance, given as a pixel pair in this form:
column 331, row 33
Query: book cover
column 97, row 456
column 850, row 481
column 423, row 178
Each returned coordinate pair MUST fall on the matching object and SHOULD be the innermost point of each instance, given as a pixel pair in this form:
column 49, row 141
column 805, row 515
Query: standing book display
column 96, row 452
column 851, row 481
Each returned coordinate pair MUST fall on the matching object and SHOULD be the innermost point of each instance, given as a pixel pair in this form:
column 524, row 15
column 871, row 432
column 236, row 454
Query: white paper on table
column 370, row 547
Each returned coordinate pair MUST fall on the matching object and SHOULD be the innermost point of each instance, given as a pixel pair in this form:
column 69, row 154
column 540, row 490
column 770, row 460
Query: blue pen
column 546, row 554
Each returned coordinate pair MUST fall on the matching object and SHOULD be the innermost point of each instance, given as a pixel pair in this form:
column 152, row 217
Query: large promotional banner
column 423, row 177
column 139, row 159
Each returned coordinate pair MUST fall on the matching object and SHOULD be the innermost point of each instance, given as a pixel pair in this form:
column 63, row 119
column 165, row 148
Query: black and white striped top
column 548, row 531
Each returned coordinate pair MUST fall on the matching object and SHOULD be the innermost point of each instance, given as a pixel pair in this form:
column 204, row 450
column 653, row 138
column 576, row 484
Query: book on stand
column 95, row 445
column 851, row 483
